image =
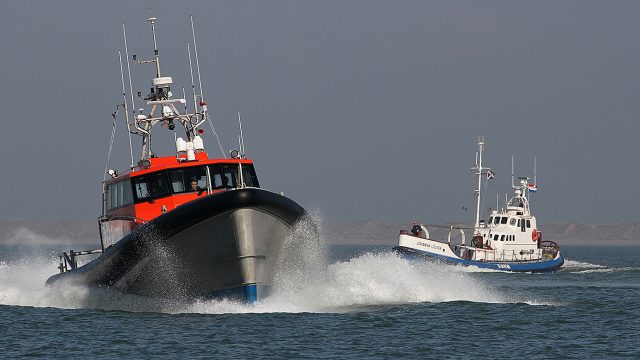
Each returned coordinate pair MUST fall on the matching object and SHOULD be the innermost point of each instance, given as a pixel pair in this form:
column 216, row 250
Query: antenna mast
column 479, row 171
column 535, row 172
column 156, row 57
column 133, row 104
column 195, row 51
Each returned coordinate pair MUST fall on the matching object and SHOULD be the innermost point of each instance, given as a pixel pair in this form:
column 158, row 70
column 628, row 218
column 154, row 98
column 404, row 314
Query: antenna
column 535, row 175
column 479, row 169
column 184, row 96
column 152, row 20
column 133, row 105
column 193, row 87
column 513, row 185
column 195, row 51
column 241, row 136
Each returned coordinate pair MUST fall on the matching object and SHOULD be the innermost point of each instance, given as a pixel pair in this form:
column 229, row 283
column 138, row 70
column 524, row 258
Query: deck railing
column 68, row 261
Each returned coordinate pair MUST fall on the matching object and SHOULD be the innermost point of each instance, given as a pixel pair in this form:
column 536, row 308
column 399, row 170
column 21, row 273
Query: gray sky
column 363, row 109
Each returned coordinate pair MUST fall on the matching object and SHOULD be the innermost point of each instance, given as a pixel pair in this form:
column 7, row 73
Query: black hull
column 222, row 244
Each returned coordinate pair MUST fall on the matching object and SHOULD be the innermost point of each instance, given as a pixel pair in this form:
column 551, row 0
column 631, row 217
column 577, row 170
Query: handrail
column 121, row 217
column 68, row 262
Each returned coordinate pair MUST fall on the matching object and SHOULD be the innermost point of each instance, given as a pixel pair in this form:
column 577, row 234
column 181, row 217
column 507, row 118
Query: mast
column 479, row 172
column 164, row 109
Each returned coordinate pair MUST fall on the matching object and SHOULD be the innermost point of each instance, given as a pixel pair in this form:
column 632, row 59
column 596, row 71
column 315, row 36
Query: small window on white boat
column 496, row 220
column 495, row 237
column 512, row 221
column 502, row 238
column 528, row 223
column 490, row 220
column 504, row 220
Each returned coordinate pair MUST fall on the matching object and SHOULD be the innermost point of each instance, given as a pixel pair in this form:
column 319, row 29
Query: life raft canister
column 534, row 235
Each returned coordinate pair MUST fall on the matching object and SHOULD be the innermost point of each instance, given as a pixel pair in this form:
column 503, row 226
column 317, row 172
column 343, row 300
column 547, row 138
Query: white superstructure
column 509, row 237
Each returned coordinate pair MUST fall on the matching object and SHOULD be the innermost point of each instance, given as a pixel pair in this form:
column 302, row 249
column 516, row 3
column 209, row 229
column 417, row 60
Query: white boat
column 510, row 240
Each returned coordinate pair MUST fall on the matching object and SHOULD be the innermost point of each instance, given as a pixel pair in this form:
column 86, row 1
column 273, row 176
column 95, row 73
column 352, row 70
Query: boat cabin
column 161, row 184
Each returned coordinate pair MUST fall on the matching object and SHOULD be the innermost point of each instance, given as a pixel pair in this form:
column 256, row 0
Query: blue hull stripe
column 520, row 266
column 249, row 293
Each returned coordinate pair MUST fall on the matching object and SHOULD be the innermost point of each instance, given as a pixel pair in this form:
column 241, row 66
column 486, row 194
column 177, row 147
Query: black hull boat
column 223, row 245
column 185, row 225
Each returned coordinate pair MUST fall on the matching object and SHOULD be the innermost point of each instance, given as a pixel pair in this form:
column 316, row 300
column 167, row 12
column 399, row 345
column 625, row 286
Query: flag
column 490, row 175
column 533, row 188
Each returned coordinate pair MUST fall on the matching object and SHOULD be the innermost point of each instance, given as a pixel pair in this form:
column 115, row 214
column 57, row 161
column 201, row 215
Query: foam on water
column 306, row 282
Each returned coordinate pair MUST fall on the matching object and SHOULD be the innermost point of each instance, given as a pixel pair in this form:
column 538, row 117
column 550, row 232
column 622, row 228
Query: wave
column 306, row 282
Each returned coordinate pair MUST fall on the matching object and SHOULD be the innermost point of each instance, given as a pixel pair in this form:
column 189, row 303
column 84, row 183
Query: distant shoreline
column 374, row 233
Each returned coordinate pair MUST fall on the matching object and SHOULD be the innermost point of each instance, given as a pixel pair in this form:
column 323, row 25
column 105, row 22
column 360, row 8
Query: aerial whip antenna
column 114, row 125
column 193, row 87
column 241, row 136
column 195, row 51
column 133, row 105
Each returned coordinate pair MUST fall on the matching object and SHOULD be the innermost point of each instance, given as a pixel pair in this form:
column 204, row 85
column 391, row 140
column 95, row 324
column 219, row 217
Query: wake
column 306, row 282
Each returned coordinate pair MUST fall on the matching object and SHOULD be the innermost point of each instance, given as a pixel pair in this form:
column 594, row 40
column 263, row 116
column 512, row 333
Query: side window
column 504, row 220
column 119, row 194
column 495, row 237
column 127, row 192
column 528, row 223
column 496, row 220
column 502, row 238
column 150, row 186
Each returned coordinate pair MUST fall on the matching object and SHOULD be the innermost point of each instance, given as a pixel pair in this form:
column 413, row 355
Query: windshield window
column 188, row 179
column 230, row 176
column 504, row 220
column 150, row 186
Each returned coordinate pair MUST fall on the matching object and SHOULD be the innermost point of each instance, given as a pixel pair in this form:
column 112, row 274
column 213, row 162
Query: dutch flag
column 533, row 188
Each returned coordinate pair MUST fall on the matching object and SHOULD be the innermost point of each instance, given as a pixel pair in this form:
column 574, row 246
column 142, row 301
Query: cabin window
column 230, row 176
column 502, row 238
column 216, row 177
column 495, row 237
column 528, row 223
column 188, row 179
column 150, row 186
column 496, row 220
column 504, row 220
column 512, row 221
column 490, row 220
column 119, row 194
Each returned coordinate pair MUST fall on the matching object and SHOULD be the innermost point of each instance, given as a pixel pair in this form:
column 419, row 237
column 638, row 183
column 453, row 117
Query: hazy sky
column 362, row 109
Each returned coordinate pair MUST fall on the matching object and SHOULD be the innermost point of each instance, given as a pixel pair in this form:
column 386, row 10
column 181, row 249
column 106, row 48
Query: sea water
column 338, row 302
